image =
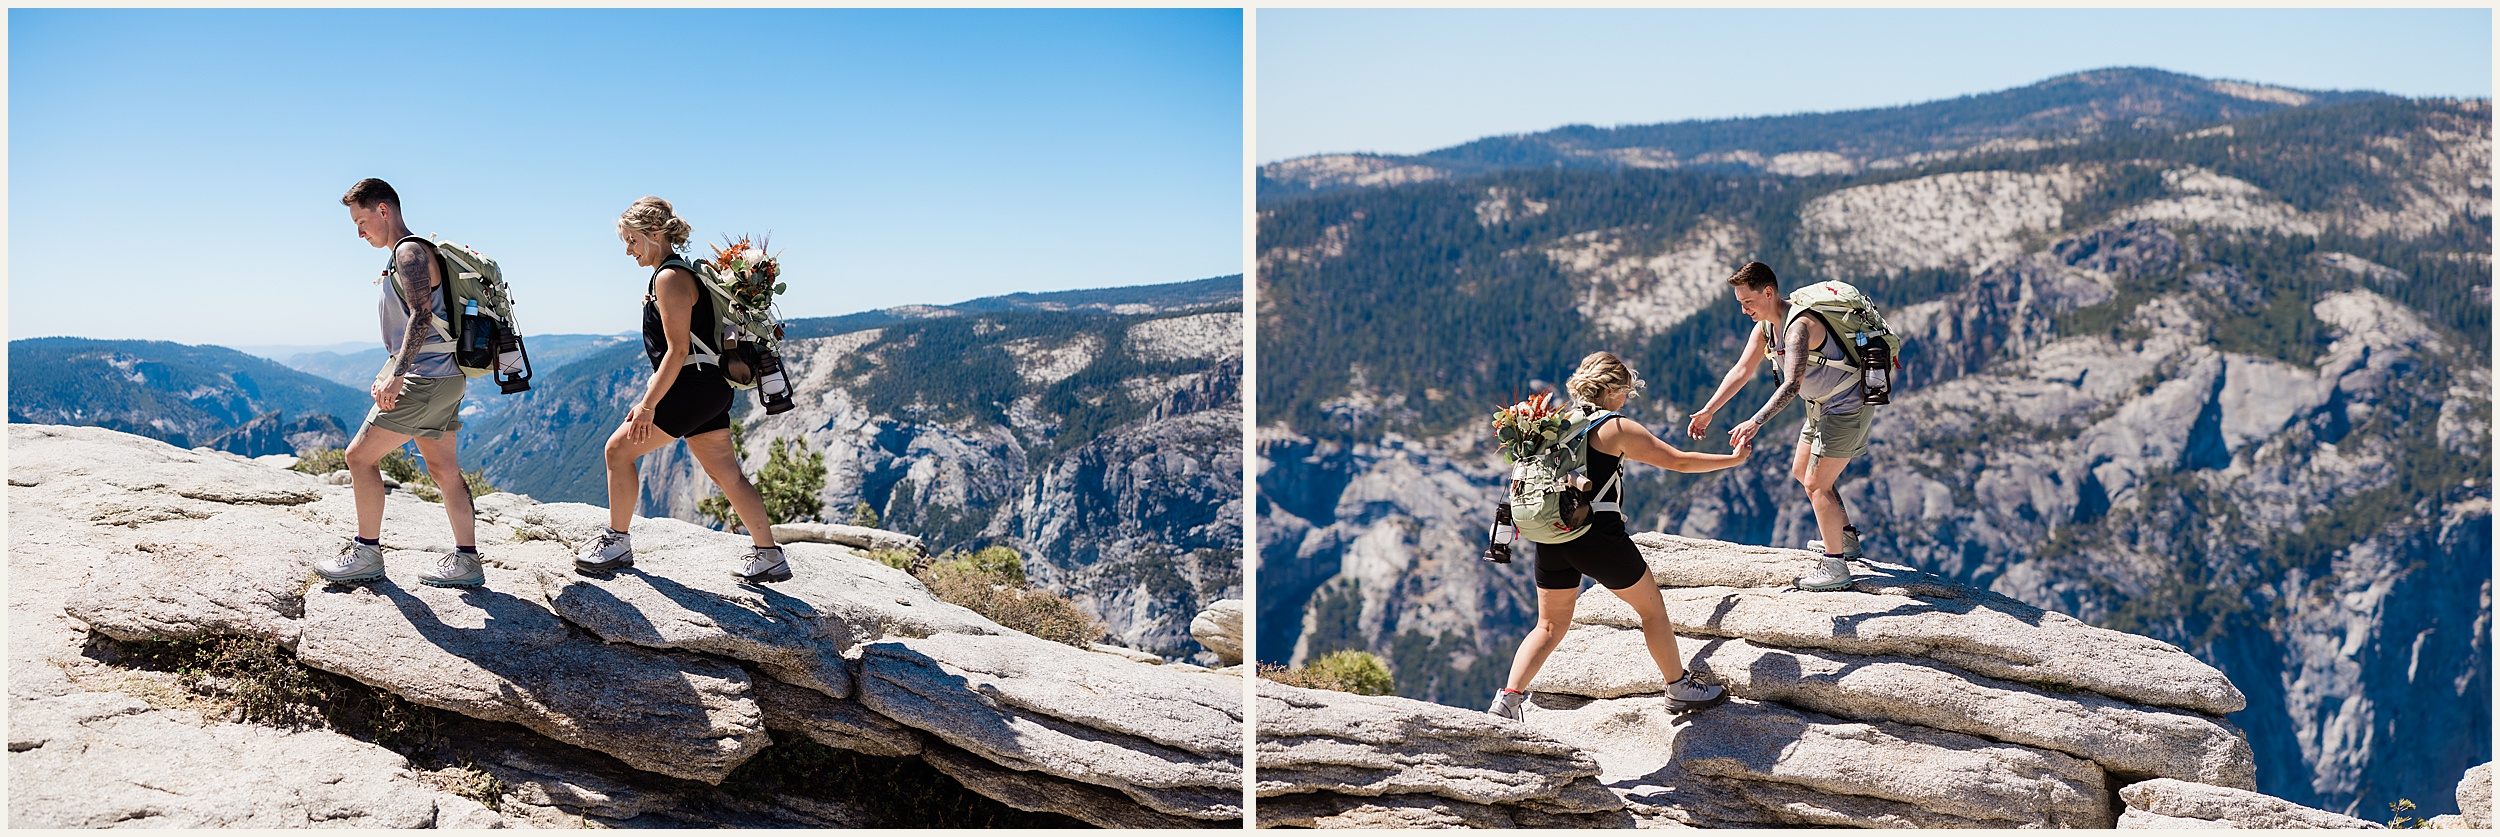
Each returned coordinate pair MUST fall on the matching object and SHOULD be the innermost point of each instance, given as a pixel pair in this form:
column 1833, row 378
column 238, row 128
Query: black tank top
column 655, row 334
column 1602, row 467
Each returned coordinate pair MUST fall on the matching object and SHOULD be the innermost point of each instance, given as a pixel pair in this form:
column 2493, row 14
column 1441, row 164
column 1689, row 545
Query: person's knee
column 365, row 459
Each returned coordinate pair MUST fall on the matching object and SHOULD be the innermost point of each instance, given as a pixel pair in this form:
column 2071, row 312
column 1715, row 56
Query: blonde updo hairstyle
column 1601, row 373
column 654, row 217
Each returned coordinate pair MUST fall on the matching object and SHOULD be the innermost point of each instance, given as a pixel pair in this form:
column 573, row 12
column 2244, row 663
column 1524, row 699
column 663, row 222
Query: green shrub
column 991, row 583
column 789, row 484
column 1348, row 670
column 320, row 461
column 901, row 559
column 864, row 515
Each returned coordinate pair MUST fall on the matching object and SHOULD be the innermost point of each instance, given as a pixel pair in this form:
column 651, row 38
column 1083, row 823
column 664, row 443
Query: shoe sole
column 608, row 568
column 1802, row 585
column 769, row 576
column 376, row 576
column 446, row 583
column 1680, row 707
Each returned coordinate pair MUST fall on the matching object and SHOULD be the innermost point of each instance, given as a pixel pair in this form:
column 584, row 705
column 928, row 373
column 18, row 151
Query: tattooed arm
column 1801, row 334
column 416, row 290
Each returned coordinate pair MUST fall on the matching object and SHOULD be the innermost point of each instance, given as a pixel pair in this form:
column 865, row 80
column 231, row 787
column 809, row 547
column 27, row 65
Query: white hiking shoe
column 1849, row 549
column 1833, row 576
column 609, row 552
column 764, row 564
column 1509, row 704
column 457, row 569
column 1687, row 694
column 357, row 561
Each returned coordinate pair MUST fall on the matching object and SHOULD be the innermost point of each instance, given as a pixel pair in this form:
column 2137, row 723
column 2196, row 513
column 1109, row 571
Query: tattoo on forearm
column 1792, row 366
column 416, row 290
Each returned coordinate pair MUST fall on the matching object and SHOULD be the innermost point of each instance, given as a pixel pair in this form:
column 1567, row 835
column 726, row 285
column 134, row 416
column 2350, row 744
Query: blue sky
column 175, row 174
column 1407, row 81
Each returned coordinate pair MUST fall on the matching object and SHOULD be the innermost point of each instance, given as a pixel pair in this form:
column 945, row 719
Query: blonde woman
column 686, row 399
column 1606, row 553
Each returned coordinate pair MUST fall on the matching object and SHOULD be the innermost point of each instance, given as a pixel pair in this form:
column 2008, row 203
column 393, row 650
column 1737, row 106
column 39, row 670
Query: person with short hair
column 687, row 398
column 1836, row 423
column 416, row 397
column 1606, row 552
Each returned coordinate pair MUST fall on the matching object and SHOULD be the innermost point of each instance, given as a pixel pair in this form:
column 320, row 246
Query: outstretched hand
column 1699, row 425
column 1742, row 435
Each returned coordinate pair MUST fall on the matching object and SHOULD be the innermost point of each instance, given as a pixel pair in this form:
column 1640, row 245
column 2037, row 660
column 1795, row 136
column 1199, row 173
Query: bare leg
column 624, row 486
column 364, row 468
column 713, row 450
column 1553, row 618
column 442, row 462
column 1655, row 628
column 1822, row 482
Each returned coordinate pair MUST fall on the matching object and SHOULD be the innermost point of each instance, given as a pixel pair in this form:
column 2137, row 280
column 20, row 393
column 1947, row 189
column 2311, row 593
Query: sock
column 613, row 531
column 1512, row 691
column 1832, row 555
column 1851, row 529
column 468, row 549
column 370, row 542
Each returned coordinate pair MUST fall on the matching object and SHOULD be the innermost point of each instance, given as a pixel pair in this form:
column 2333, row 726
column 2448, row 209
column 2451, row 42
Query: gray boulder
column 1169, row 739
column 103, row 759
column 73, row 457
column 1336, row 810
column 2166, row 803
column 1033, row 791
column 230, row 574
column 832, row 721
column 857, row 537
column 1986, row 635
column 2474, row 796
column 1877, row 774
column 1312, row 740
column 489, row 653
column 1602, row 662
column 1218, row 628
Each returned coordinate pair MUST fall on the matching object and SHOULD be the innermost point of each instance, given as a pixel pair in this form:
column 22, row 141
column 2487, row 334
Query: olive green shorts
column 427, row 408
column 1835, row 435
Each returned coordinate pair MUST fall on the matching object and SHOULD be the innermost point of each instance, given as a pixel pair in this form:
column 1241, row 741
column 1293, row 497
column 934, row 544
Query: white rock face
column 647, row 670
column 2474, row 796
column 1630, row 287
column 2208, row 199
column 2170, row 803
column 1961, row 220
column 1219, row 628
column 1194, row 337
column 1326, row 170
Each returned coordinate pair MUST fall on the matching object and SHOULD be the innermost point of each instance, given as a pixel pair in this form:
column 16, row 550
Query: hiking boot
column 1849, row 550
column 357, row 561
column 764, row 564
column 1833, row 576
column 457, row 569
column 1687, row 694
column 609, row 552
column 1509, row 704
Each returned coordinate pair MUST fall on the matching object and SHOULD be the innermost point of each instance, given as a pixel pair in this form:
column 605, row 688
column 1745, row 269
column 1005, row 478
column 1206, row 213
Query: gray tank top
column 395, row 326
column 1830, row 388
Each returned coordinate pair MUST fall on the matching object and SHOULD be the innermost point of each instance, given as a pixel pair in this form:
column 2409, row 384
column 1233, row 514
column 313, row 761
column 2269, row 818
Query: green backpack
column 1871, row 346
column 1543, row 504
column 480, row 334
column 733, row 324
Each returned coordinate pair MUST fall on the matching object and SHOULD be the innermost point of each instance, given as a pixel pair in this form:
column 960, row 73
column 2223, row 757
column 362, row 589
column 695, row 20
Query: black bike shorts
column 696, row 403
column 1606, row 553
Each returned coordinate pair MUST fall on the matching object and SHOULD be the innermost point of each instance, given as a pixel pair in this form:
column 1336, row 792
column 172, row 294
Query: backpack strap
column 1815, row 356
column 1613, row 483
column 440, row 343
column 703, row 351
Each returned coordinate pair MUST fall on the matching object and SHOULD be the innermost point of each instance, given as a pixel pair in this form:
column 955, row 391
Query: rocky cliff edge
column 672, row 667
column 1904, row 701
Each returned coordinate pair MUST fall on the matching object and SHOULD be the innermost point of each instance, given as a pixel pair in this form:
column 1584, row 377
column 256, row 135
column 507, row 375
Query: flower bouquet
column 754, row 274
column 1528, row 427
